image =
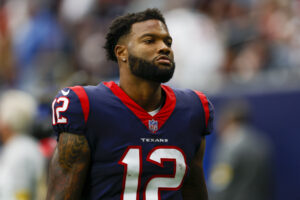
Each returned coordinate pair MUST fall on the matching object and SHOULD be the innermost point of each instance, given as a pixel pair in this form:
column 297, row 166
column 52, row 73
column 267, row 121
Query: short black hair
column 122, row 26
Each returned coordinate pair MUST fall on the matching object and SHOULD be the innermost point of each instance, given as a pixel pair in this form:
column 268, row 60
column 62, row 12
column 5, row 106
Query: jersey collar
column 152, row 123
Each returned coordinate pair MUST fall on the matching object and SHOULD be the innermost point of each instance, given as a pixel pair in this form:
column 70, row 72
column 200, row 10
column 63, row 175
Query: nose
column 164, row 49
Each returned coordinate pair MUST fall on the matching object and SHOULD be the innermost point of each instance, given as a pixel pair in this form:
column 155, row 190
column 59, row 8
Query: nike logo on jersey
column 65, row 93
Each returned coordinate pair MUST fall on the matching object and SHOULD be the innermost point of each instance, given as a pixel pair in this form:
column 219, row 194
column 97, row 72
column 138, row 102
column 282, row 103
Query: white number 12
column 132, row 162
column 59, row 109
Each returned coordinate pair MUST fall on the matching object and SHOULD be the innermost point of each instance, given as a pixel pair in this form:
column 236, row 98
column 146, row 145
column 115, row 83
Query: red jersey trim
column 84, row 100
column 205, row 105
column 161, row 117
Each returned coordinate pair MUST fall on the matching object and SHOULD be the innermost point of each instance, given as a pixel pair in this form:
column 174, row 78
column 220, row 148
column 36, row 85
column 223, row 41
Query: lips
column 164, row 60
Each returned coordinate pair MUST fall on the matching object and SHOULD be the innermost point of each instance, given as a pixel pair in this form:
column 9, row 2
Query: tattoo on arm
column 68, row 167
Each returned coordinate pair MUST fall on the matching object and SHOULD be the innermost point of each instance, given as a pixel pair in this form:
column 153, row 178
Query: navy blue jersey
column 134, row 155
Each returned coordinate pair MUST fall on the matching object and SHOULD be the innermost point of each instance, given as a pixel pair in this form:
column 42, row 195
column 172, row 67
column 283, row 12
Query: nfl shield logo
column 153, row 125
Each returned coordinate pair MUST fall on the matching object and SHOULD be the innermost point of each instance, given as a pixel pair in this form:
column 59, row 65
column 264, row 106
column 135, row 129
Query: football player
column 136, row 139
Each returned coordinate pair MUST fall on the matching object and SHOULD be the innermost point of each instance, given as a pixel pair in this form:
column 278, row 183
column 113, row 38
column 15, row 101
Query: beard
column 149, row 70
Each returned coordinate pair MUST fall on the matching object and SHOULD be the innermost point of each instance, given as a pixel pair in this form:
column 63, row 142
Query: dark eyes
column 169, row 43
column 150, row 41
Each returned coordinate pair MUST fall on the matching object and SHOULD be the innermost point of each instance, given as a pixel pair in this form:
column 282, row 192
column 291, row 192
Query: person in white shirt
column 21, row 162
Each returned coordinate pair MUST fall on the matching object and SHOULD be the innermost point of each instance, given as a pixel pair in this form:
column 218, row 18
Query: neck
column 145, row 93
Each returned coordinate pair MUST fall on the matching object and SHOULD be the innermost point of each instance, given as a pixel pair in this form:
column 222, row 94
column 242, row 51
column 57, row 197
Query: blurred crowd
column 46, row 45
column 219, row 45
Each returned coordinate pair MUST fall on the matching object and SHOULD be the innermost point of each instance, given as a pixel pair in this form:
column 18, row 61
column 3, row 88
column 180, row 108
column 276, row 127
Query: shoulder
column 79, row 92
column 70, row 101
column 76, row 99
column 72, row 105
column 198, row 102
column 70, row 110
column 192, row 96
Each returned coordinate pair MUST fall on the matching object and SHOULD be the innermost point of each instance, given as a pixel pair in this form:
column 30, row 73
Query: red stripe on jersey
column 84, row 100
column 161, row 117
column 205, row 103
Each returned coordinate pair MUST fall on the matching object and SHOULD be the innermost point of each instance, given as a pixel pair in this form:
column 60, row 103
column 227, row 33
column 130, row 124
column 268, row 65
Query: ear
column 121, row 52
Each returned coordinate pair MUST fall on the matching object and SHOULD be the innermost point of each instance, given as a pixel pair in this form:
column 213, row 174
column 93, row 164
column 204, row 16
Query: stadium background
column 229, row 49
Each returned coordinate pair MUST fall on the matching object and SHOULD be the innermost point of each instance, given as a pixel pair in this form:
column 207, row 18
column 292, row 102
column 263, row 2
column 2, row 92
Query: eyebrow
column 154, row 35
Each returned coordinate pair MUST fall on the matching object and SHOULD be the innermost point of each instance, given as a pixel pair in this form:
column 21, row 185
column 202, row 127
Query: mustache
column 164, row 55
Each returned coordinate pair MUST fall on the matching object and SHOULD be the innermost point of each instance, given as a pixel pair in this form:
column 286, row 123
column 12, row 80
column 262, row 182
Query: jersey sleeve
column 70, row 110
column 210, row 122
column 208, row 109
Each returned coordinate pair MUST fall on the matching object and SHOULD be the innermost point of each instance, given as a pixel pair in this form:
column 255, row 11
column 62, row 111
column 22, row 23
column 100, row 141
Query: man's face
column 150, row 53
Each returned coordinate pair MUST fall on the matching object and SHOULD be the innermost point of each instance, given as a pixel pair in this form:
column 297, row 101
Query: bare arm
column 68, row 167
column 195, row 187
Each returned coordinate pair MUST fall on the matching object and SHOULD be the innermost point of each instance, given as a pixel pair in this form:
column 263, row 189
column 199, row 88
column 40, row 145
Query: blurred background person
column 21, row 162
column 7, row 70
column 241, row 159
column 199, row 49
